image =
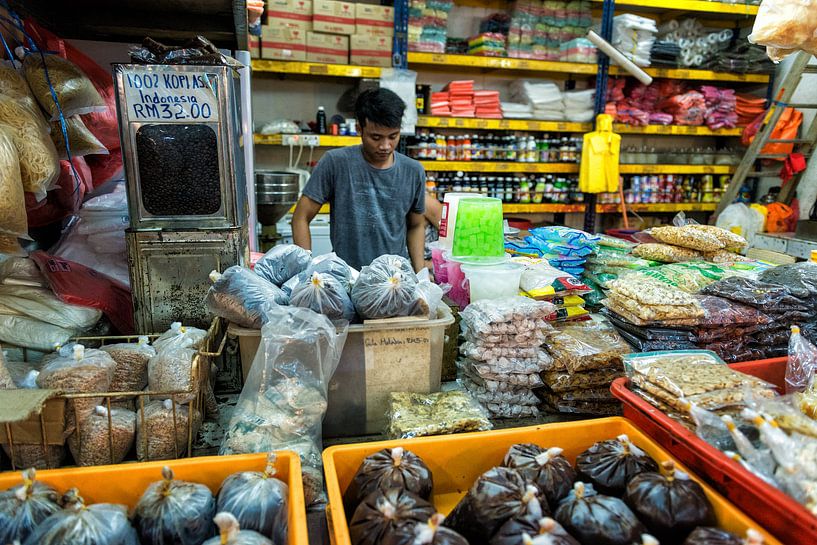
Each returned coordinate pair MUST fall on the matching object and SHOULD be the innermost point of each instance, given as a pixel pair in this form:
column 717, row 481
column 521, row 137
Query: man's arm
column 434, row 211
column 305, row 212
column 415, row 239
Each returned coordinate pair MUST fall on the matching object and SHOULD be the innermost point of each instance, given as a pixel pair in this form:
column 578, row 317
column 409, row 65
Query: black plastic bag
column 547, row 470
column 175, row 512
column 762, row 295
column 609, row 465
column 809, row 331
column 597, row 519
column 668, row 503
column 242, row 297
column 800, row 278
column 429, row 533
column 495, row 497
column 388, row 288
column 231, row 533
column 712, row 536
column 257, row 500
column 388, row 468
column 24, row 506
column 80, row 524
column 512, row 531
column 282, row 263
column 324, row 294
column 382, row 513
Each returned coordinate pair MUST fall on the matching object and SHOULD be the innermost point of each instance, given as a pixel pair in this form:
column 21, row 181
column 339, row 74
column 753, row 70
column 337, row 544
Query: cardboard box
column 374, row 20
column 289, row 13
column 283, row 43
column 334, row 17
column 254, row 45
column 329, row 48
column 368, row 50
column 20, row 412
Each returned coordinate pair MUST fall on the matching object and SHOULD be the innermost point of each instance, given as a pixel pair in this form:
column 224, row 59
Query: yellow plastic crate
column 456, row 461
column 125, row 483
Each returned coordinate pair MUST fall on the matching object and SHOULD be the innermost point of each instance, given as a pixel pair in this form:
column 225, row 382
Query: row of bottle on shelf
column 428, row 146
column 508, row 188
column 669, row 188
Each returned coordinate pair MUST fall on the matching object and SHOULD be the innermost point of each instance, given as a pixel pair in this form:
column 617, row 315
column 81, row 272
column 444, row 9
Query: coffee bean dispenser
column 182, row 144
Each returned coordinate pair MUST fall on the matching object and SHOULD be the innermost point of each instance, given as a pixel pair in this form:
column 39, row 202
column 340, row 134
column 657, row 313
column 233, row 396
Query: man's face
column 379, row 142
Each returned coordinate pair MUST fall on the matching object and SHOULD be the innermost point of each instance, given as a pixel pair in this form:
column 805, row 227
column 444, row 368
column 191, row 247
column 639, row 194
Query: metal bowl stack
column 276, row 192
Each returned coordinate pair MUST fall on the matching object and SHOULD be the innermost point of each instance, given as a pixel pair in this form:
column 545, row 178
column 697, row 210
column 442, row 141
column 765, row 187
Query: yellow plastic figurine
column 599, row 168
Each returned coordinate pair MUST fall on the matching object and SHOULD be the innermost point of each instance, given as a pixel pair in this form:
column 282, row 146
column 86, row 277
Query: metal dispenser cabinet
column 182, row 143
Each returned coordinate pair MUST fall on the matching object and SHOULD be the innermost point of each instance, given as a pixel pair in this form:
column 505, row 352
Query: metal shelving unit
column 486, row 166
column 314, row 140
column 501, row 124
column 498, row 63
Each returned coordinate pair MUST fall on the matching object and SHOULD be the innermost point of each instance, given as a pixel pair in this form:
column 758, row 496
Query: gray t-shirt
column 368, row 206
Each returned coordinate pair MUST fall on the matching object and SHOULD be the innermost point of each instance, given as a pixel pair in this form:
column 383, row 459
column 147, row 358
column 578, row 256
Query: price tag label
column 171, row 96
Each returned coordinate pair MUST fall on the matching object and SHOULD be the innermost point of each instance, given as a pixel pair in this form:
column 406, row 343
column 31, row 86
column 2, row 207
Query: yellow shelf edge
column 481, row 166
column 657, row 207
column 676, row 169
column 702, row 6
column 542, row 208
column 682, row 130
column 325, row 140
column 499, row 63
column 501, row 124
column 695, row 74
column 315, row 69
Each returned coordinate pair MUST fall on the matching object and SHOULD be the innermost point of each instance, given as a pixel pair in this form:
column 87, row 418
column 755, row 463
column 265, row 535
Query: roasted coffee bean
column 178, row 169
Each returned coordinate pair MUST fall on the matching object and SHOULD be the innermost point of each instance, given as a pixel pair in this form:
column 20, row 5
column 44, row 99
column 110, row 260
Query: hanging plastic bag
column 13, row 220
column 97, row 524
column 231, row 533
column 284, row 398
column 75, row 92
column 801, row 364
column 172, row 512
column 785, row 26
column 241, row 296
column 39, row 162
column 258, row 501
column 92, row 445
column 23, row 507
column 282, row 263
column 12, row 83
column 325, row 295
column 388, row 468
column 82, row 141
column 739, row 219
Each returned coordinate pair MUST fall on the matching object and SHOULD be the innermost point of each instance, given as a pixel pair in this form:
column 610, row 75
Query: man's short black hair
column 380, row 106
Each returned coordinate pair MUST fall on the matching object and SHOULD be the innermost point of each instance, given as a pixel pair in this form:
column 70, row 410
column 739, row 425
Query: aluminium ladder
column 804, row 145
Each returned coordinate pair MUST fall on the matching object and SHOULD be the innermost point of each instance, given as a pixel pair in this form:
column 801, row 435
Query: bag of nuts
column 172, row 371
column 179, row 336
column 91, row 446
column 164, row 436
column 131, row 371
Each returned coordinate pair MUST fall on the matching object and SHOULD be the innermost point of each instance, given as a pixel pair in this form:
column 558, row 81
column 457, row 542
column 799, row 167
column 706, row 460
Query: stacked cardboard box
column 284, row 35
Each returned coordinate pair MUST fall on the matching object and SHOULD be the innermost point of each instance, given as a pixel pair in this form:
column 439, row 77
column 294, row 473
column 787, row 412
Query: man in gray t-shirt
column 376, row 195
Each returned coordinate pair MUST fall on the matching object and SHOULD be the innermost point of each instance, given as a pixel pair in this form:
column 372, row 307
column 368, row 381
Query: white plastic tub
column 493, row 281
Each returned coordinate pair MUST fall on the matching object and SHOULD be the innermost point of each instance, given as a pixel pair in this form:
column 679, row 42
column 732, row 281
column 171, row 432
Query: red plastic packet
column 65, row 199
column 77, row 284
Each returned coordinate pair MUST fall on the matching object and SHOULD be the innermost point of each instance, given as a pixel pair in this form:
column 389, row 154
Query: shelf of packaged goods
column 315, row 69
column 480, row 166
column 700, row 6
column 658, row 207
column 700, row 75
column 677, row 130
column 544, row 208
column 501, row 124
column 676, row 169
column 324, row 140
column 458, row 62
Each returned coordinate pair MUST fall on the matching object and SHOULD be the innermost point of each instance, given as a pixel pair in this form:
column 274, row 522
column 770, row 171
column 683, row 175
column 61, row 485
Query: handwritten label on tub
column 171, row 96
column 397, row 360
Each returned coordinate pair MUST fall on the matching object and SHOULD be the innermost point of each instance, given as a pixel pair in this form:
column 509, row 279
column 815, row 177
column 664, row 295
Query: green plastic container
column 479, row 229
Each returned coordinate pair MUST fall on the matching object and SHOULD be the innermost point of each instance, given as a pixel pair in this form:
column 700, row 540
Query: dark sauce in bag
column 388, row 468
column 23, row 507
column 547, row 470
column 430, row 533
column 669, row 503
column 610, row 464
column 383, row 513
column 715, row 536
column 596, row 519
column 496, row 496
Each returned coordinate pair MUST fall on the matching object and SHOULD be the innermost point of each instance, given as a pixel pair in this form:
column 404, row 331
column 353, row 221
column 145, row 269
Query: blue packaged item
column 559, row 233
column 559, row 247
column 575, row 271
column 517, row 246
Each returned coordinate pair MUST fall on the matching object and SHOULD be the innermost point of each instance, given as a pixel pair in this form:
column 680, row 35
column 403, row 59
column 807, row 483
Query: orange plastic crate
column 456, row 461
column 125, row 483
